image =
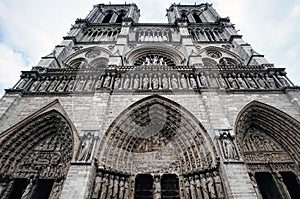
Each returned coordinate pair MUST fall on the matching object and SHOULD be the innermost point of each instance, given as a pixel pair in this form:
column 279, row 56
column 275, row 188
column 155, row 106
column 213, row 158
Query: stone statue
column 270, row 81
column 22, row 84
column 145, row 82
column 97, row 186
column 232, row 82
column 86, row 148
column 127, row 189
column 218, row 184
column 222, row 81
column 104, row 186
column 183, row 82
column 213, row 81
column 80, row 84
column 3, row 186
column 198, row 186
column 193, row 81
column 203, row 80
column 165, row 82
column 155, row 82
column 186, row 188
column 107, row 80
column 34, row 86
column 44, row 85
column 70, row 85
column 174, row 82
column 98, row 83
column 203, row 186
column 228, row 147
column 136, row 82
column 241, row 82
column 89, row 84
column 126, row 84
column 250, row 81
column 193, row 188
column 62, row 84
column 53, row 84
column 210, row 186
column 28, row 192
column 260, row 81
column 157, row 188
column 122, row 186
column 117, row 82
column 110, row 187
column 282, row 80
column 116, row 187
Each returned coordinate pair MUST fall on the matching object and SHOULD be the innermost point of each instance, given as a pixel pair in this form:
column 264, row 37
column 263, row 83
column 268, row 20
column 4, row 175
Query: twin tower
column 127, row 110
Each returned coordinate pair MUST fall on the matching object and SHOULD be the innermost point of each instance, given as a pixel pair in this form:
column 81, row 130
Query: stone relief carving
column 227, row 145
column 86, row 149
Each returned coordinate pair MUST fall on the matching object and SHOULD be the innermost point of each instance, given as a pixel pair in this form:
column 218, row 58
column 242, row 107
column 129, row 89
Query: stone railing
column 153, row 34
column 95, row 34
column 150, row 79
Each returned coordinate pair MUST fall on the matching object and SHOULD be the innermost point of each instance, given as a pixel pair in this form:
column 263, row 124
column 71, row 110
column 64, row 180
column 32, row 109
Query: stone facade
column 123, row 110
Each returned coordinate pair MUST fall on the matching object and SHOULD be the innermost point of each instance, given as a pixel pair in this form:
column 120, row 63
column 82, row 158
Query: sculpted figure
column 126, row 84
column 193, row 188
column 157, row 188
column 62, row 84
column 282, row 80
column 28, row 191
column 213, row 80
column 203, row 80
column 116, row 187
column 53, row 84
column 80, row 84
column 110, row 187
column 71, row 84
column 44, row 85
column 255, row 186
column 34, row 86
column 203, row 186
column 165, row 82
column 250, row 81
column 193, row 81
column 136, row 82
column 117, row 82
column 174, row 82
column 104, row 186
column 122, row 186
column 198, row 186
column 145, row 82
column 229, row 149
column 98, row 83
column 22, row 83
column 210, row 186
column 97, row 186
column 241, row 81
column 186, row 188
column 107, row 80
column 270, row 81
column 127, row 189
column 86, row 147
column 222, row 81
column 218, row 184
column 232, row 82
column 183, row 82
column 89, row 84
column 155, row 82
column 261, row 83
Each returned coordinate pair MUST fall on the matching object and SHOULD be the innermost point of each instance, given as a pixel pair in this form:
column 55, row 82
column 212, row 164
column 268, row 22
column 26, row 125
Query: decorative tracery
column 154, row 59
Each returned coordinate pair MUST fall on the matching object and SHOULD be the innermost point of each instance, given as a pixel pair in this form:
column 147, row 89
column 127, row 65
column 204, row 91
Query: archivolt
column 156, row 135
column 276, row 124
column 40, row 147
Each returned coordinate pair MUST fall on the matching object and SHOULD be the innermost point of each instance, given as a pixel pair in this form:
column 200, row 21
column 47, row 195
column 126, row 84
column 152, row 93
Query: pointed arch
column 41, row 145
column 272, row 125
column 159, row 133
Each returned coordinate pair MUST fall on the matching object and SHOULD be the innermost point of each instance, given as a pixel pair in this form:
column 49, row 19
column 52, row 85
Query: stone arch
column 224, row 53
column 163, row 50
column 154, row 135
column 269, row 142
column 39, row 148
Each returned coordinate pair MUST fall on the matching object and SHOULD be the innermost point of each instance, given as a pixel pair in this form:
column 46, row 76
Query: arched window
column 197, row 18
column 107, row 18
column 120, row 18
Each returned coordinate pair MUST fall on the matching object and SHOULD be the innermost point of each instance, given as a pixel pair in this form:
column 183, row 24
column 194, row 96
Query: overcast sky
column 30, row 29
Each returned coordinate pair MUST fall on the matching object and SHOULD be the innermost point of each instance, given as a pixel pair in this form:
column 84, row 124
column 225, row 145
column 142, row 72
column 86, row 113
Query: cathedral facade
column 121, row 109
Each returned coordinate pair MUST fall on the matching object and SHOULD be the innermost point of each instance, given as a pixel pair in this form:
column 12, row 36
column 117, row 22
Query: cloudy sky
column 30, row 29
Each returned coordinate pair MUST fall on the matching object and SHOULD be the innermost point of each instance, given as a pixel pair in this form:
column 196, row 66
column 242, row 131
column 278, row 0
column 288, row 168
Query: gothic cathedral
column 127, row 110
